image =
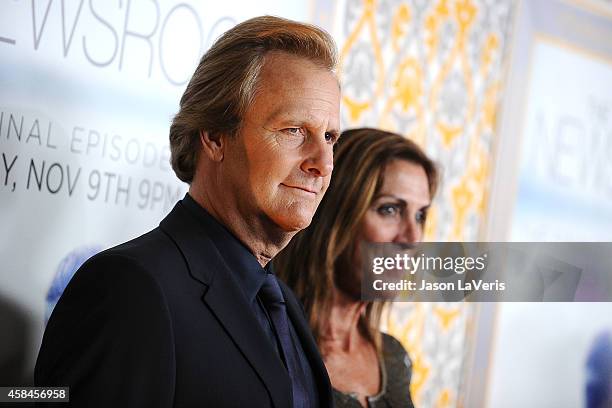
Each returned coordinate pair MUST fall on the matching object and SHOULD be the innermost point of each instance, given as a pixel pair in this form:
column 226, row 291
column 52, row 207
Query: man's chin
column 293, row 223
column 297, row 226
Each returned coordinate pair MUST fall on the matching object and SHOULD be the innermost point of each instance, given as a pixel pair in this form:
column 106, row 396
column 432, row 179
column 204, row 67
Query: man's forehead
column 302, row 107
column 284, row 69
column 312, row 105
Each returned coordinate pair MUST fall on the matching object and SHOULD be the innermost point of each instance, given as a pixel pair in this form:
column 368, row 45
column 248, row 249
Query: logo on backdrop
column 65, row 271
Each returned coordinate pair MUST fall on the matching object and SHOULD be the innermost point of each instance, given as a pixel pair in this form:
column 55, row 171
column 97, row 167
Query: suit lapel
column 226, row 301
column 296, row 314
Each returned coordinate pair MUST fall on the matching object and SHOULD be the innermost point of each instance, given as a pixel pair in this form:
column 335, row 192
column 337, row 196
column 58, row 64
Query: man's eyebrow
column 295, row 117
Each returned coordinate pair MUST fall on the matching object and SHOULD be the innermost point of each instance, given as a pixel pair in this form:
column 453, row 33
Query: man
column 189, row 314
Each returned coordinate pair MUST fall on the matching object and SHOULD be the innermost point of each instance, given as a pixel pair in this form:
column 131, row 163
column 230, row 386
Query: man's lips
column 306, row 189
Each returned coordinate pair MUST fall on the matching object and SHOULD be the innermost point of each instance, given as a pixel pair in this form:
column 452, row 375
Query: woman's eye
column 388, row 210
column 420, row 217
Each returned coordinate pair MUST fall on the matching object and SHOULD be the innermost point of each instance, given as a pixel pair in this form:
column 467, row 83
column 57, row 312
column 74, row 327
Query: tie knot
column 270, row 291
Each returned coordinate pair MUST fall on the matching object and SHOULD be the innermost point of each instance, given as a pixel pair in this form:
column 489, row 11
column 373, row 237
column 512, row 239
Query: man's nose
column 319, row 161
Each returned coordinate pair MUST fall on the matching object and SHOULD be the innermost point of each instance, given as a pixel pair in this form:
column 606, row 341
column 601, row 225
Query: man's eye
column 291, row 137
column 294, row 131
column 330, row 137
column 388, row 210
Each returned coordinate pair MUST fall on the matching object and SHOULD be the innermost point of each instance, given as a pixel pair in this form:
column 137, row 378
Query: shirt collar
column 241, row 262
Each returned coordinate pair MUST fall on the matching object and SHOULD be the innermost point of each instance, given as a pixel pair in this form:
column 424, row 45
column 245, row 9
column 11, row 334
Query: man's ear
column 213, row 146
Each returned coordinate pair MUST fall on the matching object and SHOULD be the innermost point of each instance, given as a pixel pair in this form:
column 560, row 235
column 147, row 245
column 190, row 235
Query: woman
column 380, row 192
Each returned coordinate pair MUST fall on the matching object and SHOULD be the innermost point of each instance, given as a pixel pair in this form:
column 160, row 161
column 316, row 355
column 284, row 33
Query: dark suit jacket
column 159, row 322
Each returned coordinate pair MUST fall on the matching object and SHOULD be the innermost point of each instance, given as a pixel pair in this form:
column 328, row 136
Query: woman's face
column 398, row 212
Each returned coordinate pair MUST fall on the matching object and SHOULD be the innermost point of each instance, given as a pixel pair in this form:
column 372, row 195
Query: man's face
column 281, row 161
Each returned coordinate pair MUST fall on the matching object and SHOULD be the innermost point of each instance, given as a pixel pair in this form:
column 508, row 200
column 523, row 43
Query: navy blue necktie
column 272, row 297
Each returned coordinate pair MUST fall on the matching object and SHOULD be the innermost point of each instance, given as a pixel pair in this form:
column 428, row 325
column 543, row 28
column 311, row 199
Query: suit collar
column 202, row 257
column 241, row 262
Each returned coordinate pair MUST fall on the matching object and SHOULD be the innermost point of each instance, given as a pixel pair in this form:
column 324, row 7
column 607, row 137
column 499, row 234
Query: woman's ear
column 213, row 146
